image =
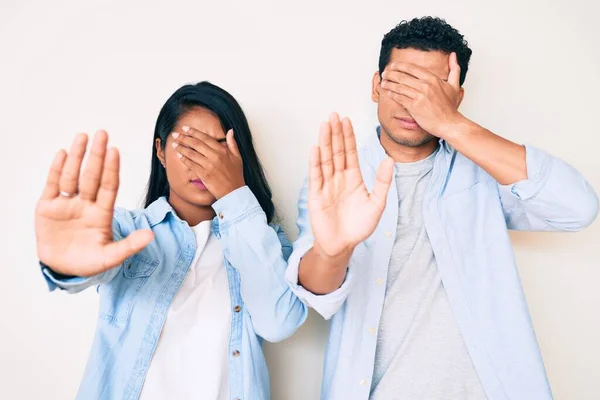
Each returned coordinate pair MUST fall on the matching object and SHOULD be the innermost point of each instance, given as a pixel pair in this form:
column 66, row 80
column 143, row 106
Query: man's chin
column 411, row 138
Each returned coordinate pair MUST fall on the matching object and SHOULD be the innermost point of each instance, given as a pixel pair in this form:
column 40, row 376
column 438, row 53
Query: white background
column 68, row 66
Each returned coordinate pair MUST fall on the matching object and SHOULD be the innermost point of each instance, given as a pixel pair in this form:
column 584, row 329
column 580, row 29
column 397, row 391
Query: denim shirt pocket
column 118, row 297
column 139, row 266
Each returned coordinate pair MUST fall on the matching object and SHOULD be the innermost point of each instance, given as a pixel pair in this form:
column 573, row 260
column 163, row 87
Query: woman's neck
column 190, row 213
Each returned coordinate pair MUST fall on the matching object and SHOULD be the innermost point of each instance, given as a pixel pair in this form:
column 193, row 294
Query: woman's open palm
column 73, row 218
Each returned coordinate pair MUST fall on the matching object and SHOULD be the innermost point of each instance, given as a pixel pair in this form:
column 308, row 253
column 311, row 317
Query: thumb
column 232, row 144
column 454, row 75
column 383, row 180
column 117, row 252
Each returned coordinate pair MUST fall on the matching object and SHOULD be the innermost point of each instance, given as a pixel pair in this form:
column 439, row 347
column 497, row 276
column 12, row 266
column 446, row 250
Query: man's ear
column 461, row 96
column 376, row 87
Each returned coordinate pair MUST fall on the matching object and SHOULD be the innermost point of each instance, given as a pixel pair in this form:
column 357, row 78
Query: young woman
column 191, row 284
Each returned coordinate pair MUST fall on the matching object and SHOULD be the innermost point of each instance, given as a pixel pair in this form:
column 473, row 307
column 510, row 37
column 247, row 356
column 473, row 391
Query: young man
column 405, row 242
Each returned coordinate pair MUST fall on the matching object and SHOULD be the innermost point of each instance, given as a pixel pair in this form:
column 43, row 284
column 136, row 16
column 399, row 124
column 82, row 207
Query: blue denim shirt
column 135, row 297
column 467, row 215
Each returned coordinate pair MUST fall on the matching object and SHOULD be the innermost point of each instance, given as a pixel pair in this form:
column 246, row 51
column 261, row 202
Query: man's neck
column 406, row 154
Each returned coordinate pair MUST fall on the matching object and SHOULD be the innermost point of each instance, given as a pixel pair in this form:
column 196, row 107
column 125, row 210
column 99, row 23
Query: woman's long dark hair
column 217, row 100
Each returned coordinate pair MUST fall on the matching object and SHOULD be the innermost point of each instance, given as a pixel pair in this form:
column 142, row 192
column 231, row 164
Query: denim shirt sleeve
column 326, row 305
column 259, row 253
column 76, row 284
column 554, row 197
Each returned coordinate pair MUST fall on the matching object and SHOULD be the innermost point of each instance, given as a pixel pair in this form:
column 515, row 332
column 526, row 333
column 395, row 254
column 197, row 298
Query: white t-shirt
column 191, row 358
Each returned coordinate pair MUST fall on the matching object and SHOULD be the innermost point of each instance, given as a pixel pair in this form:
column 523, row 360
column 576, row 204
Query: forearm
column 539, row 192
column 322, row 275
column 555, row 197
column 257, row 256
column 259, row 253
column 502, row 159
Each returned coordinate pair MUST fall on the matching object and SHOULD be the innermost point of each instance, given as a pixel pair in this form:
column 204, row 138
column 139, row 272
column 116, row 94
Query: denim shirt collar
column 158, row 211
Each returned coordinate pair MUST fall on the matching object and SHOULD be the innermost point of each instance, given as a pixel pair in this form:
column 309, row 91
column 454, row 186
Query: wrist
column 340, row 258
column 229, row 189
column 59, row 273
column 455, row 127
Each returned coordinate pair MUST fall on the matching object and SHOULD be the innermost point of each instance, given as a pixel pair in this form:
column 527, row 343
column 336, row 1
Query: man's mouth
column 407, row 122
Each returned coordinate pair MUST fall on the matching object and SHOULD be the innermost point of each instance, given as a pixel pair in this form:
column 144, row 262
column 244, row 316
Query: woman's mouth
column 198, row 183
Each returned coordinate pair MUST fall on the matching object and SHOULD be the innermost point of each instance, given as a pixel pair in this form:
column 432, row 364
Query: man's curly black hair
column 426, row 33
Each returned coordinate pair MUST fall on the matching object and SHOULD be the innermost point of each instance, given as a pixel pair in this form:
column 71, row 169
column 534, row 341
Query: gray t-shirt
column 420, row 350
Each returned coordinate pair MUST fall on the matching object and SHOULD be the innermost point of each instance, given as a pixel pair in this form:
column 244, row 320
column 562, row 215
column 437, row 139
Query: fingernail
column 185, row 128
column 175, row 135
column 175, row 144
column 179, row 155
